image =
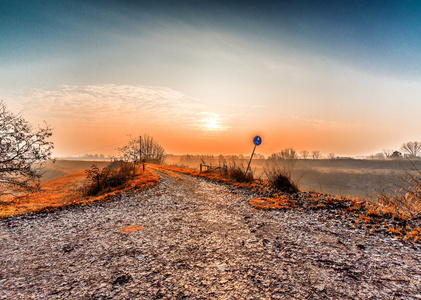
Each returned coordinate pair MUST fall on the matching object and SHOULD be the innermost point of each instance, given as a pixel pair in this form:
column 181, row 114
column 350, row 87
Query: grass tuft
column 238, row 173
column 282, row 183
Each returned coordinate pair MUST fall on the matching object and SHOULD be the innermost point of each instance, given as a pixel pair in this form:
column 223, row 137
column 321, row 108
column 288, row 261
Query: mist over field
column 361, row 178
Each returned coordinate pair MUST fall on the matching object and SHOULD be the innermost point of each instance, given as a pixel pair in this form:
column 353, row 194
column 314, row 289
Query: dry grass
column 66, row 191
column 266, row 203
column 238, row 173
column 404, row 203
column 130, row 229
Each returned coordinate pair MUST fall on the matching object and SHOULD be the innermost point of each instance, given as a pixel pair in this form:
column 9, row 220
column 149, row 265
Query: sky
column 205, row 77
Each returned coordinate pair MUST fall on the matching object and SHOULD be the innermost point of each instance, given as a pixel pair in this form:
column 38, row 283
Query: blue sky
column 335, row 76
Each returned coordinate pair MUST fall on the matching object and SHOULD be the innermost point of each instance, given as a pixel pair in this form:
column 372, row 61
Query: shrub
column 104, row 180
column 279, row 177
column 282, row 183
column 238, row 173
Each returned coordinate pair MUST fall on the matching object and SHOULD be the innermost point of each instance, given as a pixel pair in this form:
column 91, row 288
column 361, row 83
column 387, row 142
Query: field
column 342, row 177
column 58, row 169
column 354, row 178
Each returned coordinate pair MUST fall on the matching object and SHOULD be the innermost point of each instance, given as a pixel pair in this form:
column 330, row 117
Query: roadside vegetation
column 70, row 183
column 238, row 172
column 107, row 179
column 405, row 201
column 278, row 171
column 68, row 188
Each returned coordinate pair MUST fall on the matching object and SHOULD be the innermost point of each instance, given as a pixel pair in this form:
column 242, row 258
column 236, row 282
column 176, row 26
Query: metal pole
column 251, row 159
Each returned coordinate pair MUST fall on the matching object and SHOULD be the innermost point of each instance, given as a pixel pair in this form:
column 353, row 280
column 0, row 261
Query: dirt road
column 199, row 240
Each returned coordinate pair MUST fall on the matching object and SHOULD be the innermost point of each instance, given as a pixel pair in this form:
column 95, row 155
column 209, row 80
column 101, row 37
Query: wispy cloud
column 326, row 124
column 107, row 103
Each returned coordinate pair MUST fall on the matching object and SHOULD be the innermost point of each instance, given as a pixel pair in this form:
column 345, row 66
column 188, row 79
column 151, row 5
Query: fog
column 342, row 177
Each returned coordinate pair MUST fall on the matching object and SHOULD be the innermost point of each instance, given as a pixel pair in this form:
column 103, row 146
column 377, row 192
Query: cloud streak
column 109, row 103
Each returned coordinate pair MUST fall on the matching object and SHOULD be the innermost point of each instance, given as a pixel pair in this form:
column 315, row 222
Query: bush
column 113, row 176
column 404, row 203
column 238, row 173
column 282, row 183
column 279, row 177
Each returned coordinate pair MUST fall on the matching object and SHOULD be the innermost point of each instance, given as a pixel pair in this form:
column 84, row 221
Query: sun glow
column 211, row 124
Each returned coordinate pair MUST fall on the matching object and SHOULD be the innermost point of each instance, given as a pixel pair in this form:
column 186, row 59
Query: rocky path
column 199, row 240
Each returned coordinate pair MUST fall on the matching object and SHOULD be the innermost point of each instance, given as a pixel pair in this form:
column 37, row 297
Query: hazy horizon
column 339, row 77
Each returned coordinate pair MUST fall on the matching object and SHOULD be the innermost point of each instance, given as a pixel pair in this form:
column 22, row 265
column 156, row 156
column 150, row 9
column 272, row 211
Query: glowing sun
column 211, row 124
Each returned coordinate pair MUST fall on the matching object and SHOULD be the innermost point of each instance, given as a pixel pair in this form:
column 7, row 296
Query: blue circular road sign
column 257, row 140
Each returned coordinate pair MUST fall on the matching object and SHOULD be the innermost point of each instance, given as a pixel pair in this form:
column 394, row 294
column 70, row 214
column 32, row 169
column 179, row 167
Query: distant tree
column 22, row 151
column 331, row 155
column 387, row 152
column 147, row 149
column 379, row 155
column 396, row 154
column 283, row 161
column 411, row 148
column 186, row 158
column 259, row 156
column 316, row 154
column 305, row 154
column 287, row 153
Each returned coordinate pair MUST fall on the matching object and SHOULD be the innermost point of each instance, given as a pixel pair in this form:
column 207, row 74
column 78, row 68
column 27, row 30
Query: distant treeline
column 189, row 157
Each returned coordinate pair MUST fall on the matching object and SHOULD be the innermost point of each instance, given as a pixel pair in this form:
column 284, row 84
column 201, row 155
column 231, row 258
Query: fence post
column 200, row 168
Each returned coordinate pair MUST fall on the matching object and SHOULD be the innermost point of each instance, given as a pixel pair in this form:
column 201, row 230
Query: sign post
column 257, row 140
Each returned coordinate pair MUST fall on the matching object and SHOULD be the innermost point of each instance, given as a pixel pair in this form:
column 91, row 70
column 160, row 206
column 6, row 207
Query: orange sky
column 99, row 118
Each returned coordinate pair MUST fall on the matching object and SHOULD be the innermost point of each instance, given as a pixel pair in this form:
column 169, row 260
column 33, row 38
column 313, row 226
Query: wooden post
column 140, row 149
column 200, row 168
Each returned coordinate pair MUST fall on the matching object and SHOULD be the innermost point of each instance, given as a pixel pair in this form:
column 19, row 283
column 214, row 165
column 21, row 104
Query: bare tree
column 411, row 148
column 387, row 153
column 147, row 149
column 379, row 156
column 331, row 155
column 283, row 161
column 22, row 151
column 316, row 154
column 305, row 154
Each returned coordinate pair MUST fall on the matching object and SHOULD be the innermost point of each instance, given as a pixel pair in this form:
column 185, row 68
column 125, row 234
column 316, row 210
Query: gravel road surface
column 195, row 239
